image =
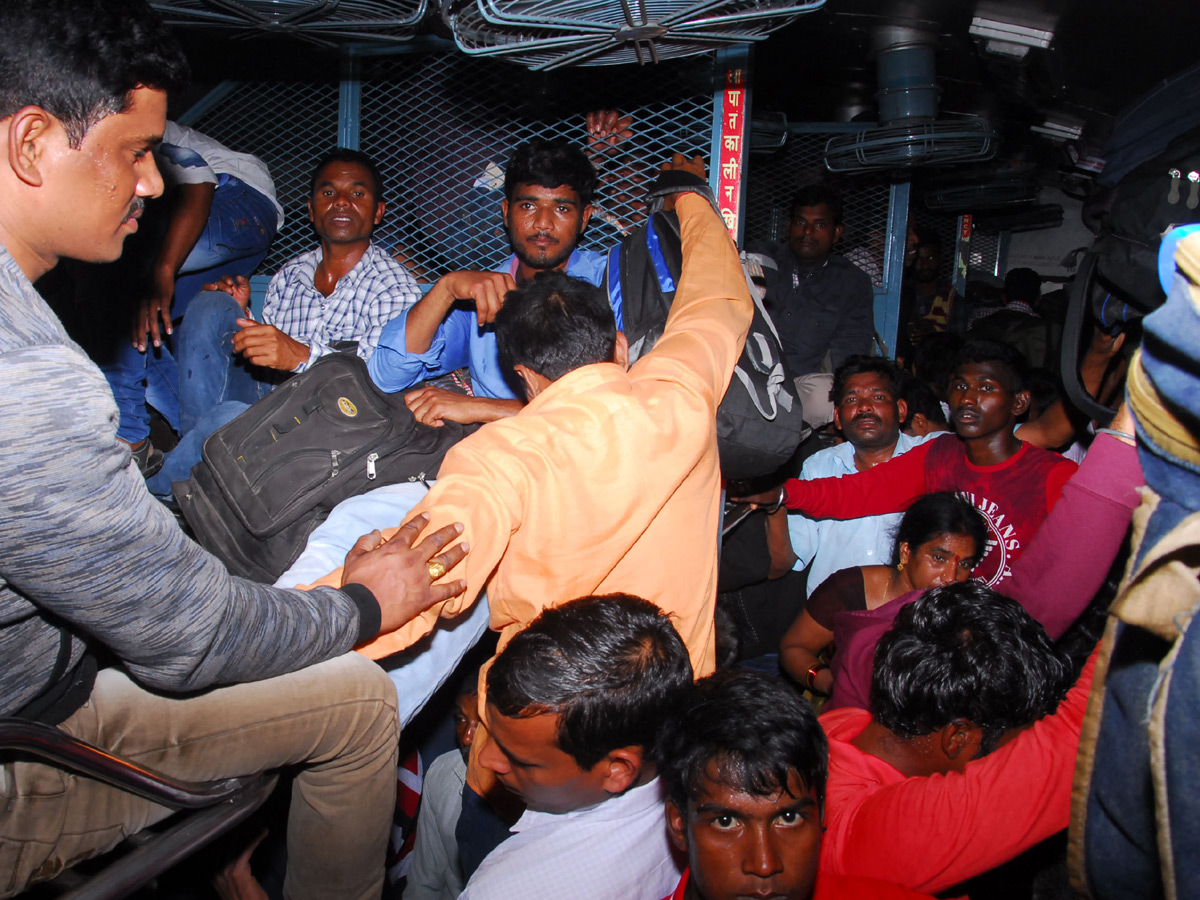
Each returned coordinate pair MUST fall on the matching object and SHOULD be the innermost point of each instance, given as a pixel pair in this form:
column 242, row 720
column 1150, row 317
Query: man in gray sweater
column 207, row 676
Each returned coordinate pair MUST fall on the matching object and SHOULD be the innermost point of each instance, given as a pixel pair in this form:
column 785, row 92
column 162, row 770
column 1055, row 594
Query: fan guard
column 913, row 144
column 318, row 21
column 549, row 34
column 909, row 134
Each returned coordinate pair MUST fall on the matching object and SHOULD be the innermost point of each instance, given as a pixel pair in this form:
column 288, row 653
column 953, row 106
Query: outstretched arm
column 1068, row 559
column 886, row 488
column 710, row 315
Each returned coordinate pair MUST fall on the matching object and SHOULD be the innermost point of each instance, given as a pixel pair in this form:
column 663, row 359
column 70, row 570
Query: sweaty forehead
column 866, row 383
column 562, row 193
column 989, row 370
column 811, row 213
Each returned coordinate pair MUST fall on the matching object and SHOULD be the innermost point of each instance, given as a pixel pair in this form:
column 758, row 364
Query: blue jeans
column 235, row 240
column 210, row 372
column 178, row 463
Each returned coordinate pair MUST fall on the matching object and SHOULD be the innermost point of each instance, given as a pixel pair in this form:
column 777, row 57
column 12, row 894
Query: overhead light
column 1010, row 33
column 1059, row 130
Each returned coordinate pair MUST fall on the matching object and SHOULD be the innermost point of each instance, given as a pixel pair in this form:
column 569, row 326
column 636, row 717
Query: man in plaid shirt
column 335, row 297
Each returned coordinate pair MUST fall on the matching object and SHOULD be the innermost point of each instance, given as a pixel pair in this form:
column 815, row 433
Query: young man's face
column 544, row 224
column 525, row 756
column 740, row 845
column 466, row 720
column 812, row 232
column 981, row 403
column 96, row 193
column 868, row 413
column 929, row 260
column 344, row 208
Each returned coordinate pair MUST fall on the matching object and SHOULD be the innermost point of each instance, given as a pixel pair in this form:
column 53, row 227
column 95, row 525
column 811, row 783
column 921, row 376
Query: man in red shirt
column 966, row 757
column 1012, row 483
column 744, row 767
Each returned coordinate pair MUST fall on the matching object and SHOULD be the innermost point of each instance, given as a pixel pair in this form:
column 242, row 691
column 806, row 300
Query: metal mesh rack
column 774, row 179
column 441, row 127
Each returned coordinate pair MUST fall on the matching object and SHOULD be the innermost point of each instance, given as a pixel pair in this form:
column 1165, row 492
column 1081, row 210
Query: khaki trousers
column 336, row 721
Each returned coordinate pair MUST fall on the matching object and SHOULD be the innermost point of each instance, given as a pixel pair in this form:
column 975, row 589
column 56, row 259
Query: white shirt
column 435, row 873
column 208, row 160
column 616, row 849
column 835, row 544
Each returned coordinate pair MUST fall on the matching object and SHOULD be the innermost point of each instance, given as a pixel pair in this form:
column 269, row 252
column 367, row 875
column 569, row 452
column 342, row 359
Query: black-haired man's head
column 83, row 95
column 867, row 404
column 1023, row 286
column 964, row 668
column 376, row 184
column 816, row 222
column 926, row 266
column 575, row 702
column 346, row 197
column 548, row 189
column 82, row 60
column 925, row 413
column 554, row 325
column 987, row 393
column 744, row 764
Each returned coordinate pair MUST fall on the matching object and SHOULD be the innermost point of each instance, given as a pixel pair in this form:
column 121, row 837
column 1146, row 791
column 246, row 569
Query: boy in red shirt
column 1013, row 484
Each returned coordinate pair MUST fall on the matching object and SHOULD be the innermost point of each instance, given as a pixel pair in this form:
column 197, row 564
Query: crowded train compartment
column 954, row 225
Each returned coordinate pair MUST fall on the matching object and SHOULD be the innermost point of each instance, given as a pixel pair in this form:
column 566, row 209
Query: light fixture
column 1011, row 33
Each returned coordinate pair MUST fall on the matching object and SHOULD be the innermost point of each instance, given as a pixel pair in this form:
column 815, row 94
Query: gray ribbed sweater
column 85, row 549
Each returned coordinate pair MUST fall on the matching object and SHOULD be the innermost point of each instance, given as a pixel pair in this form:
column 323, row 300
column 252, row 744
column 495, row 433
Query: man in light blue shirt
column 548, row 188
column 869, row 412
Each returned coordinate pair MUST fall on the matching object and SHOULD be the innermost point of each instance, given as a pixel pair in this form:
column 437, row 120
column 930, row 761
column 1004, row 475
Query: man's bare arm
column 190, row 208
column 1053, row 426
column 437, row 406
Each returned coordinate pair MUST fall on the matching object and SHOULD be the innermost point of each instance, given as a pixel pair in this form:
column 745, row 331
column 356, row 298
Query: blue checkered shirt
column 365, row 299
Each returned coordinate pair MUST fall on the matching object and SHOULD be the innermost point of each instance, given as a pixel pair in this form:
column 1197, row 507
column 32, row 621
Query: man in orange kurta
column 608, row 480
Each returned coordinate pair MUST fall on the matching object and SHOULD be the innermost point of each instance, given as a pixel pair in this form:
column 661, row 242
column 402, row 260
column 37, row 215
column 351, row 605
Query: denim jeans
column 210, row 372
column 178, row 463
column 235, row 240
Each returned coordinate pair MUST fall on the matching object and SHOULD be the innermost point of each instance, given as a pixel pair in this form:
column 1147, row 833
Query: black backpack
column 759, row 422
column 271, row 476
column 1130, row 219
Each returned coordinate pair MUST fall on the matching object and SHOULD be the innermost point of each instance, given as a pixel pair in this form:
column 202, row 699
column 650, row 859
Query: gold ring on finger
column 437, row 569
